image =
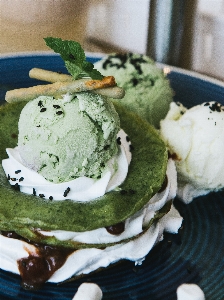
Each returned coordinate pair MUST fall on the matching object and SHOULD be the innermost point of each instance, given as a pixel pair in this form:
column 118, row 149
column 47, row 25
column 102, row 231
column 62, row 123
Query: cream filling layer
column 133, row 225
column 85, row 261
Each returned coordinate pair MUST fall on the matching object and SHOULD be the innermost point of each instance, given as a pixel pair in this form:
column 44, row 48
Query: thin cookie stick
column 49, row 76
column 111, row 92
column 59, row 88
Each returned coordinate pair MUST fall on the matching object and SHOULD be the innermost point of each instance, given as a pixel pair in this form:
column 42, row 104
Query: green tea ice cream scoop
column 147, row 89
column 63, row 139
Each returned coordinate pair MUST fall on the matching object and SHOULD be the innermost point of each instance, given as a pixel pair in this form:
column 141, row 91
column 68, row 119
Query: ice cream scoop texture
column 195, row 138
column 68, row 138
column 147, row 89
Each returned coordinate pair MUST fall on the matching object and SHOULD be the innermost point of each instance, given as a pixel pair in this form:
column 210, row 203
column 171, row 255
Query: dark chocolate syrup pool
column 38, row 267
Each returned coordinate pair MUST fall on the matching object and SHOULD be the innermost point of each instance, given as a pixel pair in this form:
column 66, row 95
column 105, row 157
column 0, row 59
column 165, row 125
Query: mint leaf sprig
column 74, row 57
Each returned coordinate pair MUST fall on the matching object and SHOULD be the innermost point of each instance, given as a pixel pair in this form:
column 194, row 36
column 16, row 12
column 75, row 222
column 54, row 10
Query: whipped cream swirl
column 79, row 189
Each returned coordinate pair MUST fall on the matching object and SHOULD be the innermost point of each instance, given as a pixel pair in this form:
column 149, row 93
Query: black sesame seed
column 34, row 192
column 121, row 60
column 8, row 177
column 13, row 179
column 38, row 126
column 41, row 195
column 50, row 198
column 40, row 103
column 66, row 192
column 56, row 106
column 134, row 82
column 16, row 187
column 21, row 179
column 131, row 148
column 59, row 112
column 119, row 141
column 121, row 64
column 127, row 138
column 215, row 107
column 43, row 109
column 17, row 172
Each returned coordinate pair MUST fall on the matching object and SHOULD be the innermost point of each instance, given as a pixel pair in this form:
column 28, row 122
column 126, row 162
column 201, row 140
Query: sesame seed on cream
column 79, row 189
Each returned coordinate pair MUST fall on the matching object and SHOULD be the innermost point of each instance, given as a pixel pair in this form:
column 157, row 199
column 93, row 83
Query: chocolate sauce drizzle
column 116, row 229
column 38, row 267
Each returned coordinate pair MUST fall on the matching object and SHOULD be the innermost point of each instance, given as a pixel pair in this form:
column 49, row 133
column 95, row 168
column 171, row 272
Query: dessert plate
column 194, row 255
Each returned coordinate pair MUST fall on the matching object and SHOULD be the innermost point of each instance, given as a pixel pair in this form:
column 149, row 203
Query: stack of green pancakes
column 24, row 214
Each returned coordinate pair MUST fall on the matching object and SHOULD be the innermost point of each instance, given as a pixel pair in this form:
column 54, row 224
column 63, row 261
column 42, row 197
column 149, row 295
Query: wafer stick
column 111, row 92
column 59, row 88
column 49, row 76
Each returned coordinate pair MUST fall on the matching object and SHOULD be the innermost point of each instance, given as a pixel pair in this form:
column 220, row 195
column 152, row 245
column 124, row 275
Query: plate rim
column 99, row 55
column 45, row 53
column 177, row 70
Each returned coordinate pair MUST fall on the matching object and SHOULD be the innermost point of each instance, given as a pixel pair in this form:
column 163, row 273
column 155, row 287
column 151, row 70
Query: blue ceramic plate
column 195, row 255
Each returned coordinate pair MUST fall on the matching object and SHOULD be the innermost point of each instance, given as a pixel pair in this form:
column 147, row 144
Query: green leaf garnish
column 74, row 57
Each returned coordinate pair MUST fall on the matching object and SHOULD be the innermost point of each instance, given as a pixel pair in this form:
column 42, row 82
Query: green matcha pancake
column 20, row 212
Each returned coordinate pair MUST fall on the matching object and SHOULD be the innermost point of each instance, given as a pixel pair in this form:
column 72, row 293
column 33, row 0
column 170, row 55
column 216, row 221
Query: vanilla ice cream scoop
column 195, row 138
column 68, row 138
